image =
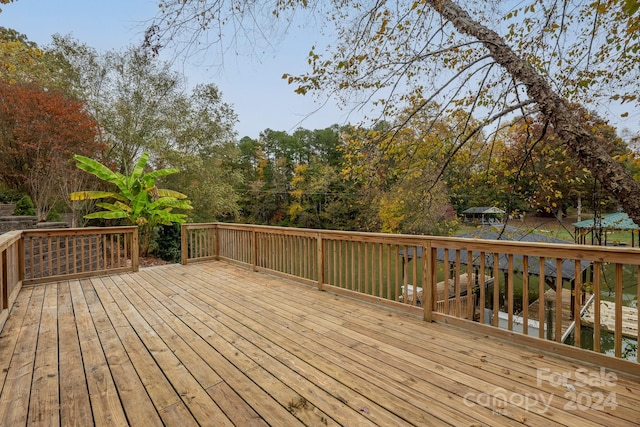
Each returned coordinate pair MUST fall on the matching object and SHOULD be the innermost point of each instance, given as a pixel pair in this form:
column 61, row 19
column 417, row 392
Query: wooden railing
column 51, row 255
column 11, row 271
column 37, row 256
column 503, row 287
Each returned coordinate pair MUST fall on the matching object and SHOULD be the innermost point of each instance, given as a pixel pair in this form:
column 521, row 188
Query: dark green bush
column 53, row 215
column 24, row 207
column 167, row 243
column 9, row 196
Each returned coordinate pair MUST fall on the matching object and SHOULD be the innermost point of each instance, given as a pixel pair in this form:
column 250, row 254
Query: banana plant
column 138, row 200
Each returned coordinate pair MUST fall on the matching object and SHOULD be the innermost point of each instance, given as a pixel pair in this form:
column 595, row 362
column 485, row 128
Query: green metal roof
column 616, row 221
column 484, row 210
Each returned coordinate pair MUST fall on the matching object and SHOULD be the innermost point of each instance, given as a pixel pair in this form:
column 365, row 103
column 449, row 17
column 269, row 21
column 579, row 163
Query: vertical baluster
column 123, row 253
column 445, row 288
column 281, row 250
column 189, row 243
column 111, row 249
column 292, row 253
column 58, row 272
column 276, row 256
column 298, row 258
column 389, row 284
column 366, row 268
column 83, row 261
column 104, row 251
column 32, row 270
column 432, row 267
column 405, row 279
column 398, row 270
column 329, row 260
column 483, row 286
column 509, row 291
column 380, row 270
column 342, row 270
column 597, row 269
column 266, row 249
column 277, row 248
column 541, row 282
column 414, row 279
column 92, row 252
column 496, row 289
column 358, row 267
column 41, row 255
column 50, row 256
column 306, row 259
column 618, row 308
column 457, row 286
column 471, row 281
column 558, row 300
column 525, row 294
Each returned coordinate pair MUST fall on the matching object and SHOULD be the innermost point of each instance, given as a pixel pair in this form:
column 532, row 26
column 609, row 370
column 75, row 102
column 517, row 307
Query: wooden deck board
column 214, row 344
column 14, row 399
column 44, row 402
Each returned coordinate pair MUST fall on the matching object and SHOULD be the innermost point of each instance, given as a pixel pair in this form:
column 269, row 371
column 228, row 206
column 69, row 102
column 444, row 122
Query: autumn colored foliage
column 39, row 133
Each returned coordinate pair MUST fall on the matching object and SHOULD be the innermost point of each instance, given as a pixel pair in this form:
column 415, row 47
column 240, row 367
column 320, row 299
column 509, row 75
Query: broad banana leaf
column 163, row 192
column 117, row 207
column 92, row 195
column 138, row 169
column 107, row 215
column 170, row 202
column 98, row 169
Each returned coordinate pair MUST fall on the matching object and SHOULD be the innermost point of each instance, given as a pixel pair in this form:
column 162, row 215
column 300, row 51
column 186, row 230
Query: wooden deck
column 214, row 344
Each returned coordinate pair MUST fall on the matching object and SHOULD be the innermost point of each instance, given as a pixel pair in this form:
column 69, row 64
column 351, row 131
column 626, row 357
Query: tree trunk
column 579, row 209
column 565, row 118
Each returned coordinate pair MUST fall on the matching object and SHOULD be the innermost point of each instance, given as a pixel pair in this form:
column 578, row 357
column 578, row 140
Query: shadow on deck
column 214, row 344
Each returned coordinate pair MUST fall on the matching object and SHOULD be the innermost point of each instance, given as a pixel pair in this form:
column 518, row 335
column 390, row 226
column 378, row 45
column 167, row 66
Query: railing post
column 428, row 267
column 254, row 255
column 184, row 244
column 135, row 250
column 320, row 262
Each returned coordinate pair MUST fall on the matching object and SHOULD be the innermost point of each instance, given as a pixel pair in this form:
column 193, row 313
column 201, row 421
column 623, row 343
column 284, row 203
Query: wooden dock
column 449, row 288
column 608, row 318
column 213, row 344
column 550, row 295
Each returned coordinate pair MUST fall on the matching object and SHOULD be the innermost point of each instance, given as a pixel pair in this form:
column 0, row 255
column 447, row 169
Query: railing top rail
column 78, row 231
column 627, row 255
column 199, row 226
column 624, row 255
column 9, row 238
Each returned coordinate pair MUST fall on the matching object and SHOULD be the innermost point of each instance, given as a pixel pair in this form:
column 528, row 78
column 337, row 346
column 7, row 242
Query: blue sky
column 253, row 85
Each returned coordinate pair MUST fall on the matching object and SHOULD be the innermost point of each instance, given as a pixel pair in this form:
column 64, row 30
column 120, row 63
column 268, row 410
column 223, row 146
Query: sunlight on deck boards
column 214, row 344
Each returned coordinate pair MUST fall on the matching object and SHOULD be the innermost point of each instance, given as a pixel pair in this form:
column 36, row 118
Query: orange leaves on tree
column 39, row 133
